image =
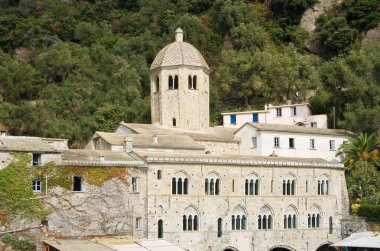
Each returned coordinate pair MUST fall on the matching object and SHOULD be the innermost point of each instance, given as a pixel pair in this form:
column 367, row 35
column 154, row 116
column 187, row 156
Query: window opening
column 37, row 186
column 195, row 82
column 220, row 222
column 135, row 184
column 291, row 143
column 332, row 144
column 77, row 186
column 174, row 122
column 157, row 84
column 276, row 141
column 36, row 159
column 293, row 111
column 171, row 85
column 160, row 231
column 279, row 112
column 159, row 174
column 254, row 142
column 175, row 82
column 233, row 119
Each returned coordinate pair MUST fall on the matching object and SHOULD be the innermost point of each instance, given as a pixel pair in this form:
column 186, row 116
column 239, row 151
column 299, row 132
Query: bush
column 372, row 212
column 18, row 243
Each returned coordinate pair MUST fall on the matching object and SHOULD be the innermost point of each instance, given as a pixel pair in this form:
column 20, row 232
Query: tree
column 360, row 148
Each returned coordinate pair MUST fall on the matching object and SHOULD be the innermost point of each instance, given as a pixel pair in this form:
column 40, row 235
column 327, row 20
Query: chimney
column 101, row 157
column 128, row 144
column 155, row 139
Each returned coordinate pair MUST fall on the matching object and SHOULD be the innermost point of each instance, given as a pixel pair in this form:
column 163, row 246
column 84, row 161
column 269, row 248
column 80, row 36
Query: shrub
column 372, row 212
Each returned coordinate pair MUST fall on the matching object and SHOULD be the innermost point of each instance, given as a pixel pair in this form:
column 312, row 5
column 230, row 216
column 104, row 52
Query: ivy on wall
column 16, row 193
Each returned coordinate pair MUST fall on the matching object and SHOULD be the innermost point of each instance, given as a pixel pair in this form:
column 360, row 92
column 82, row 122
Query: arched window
column 314, row 217
column 195, row 82
column 174, row 186
column 160, row 227
column 220, row 227
column 174, row 122
column 265, row 219
column 290, row 218
column 252, row 186
column 190, row 223
column 239, row 219
column 330, row 225
column 195, row 223
column 175, row 82
column 190, row 82
column 206, row 187
column 289, row 185
column 233, row 222
column 243, row 222
column 184, row 223
column 157, row 84
column 170, row 83
column 185, row 185
column 212, row 184
column 323, row 185
column 180, row 186
column 238, row 222
column 159, row 176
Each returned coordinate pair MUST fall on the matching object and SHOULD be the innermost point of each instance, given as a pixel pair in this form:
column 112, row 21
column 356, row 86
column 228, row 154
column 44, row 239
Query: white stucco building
column 289, row 114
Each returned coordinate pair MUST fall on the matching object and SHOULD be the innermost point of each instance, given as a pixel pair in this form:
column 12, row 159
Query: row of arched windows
column 180, row 186
column 190, row 223
column 251, row 187
column 173, row 83
column 212, row 187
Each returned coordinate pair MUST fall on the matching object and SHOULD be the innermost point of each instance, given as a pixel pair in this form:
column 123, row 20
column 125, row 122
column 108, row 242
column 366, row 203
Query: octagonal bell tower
column 179, row 87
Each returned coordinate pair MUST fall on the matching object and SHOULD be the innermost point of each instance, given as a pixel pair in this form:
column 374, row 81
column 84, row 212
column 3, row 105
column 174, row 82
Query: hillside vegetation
column 68, row 68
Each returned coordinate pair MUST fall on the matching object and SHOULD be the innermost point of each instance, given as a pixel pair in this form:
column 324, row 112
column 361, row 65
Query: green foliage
column 290, row 11
column 363, row 182
column 16, row 195
column 360, row 148
column 372, row 212
column 18, row 243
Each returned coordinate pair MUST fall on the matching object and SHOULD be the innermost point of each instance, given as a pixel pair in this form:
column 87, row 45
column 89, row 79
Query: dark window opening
column 195, row 82
column 159, row 174
column 220, row 227
column 291, row 143
column 77, row 186
column 36, row 159
column 174, row 121
column 157, row 84
column 160, row 229
column 171, row 86
column 175, row 82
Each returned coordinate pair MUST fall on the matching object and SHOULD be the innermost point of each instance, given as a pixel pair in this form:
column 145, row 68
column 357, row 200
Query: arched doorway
column 281, row 248
column 230, row 249
column 326, row 247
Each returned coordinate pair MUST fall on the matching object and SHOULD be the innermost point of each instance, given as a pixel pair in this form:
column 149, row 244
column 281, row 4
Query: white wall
column 265, row 144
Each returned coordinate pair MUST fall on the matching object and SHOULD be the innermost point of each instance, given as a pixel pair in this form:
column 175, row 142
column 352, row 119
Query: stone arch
column 215, row 174
column 230, row 249
column 315, row 208
column 192, row 209
column 240, row 209
column 326, row 247
column 182, row 173
column 253, row 173
column 282, row 248
column 264, row 209
column 291, row 207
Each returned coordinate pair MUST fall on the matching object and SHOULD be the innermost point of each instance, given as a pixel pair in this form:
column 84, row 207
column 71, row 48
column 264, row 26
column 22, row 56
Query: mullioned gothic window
column 190, row 222
column 265, row 219
column 290, row 218
column 180, row 185
column 212, row 186
column 323, row 185
column 251, row 186
column 314, row 217
column 288, row 185
column 192, row 82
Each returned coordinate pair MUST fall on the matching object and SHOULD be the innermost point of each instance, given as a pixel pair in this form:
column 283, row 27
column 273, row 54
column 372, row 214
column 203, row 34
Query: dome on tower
column 179, row 53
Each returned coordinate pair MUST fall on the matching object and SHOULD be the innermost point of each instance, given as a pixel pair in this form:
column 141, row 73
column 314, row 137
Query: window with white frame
column 276, row 141
column 293, row 111
column 279, row 112
column 135, row 185
column 312, row 143
column 332, row 144
column 138, row 223
column 37, row 186
column 254, row 142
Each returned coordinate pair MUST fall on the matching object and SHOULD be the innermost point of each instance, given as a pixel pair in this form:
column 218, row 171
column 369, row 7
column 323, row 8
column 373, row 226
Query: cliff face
column 372, row 35
column 311, row 14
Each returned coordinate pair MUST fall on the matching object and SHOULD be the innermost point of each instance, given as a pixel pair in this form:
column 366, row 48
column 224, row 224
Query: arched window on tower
column 170, row 83
column 176, row 82
column 157, row 84
column 174, row 121
column 190, row 82
column 194, row 82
